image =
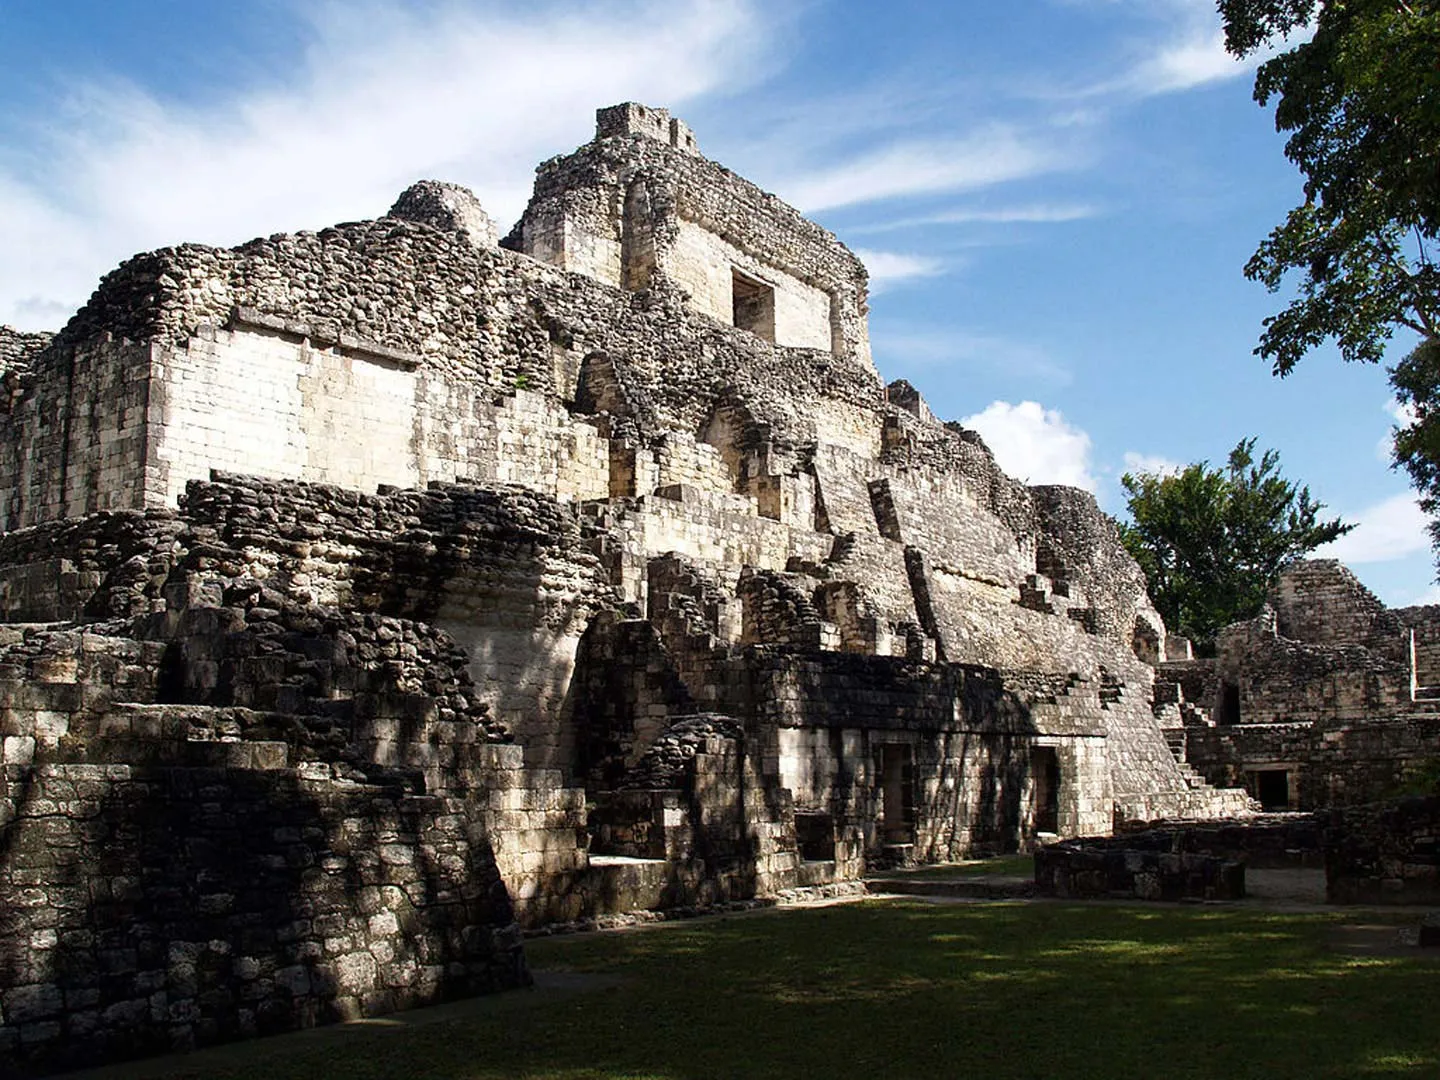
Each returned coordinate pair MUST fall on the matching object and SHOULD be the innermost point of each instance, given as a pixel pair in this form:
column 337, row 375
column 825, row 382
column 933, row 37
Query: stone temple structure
column 1325, row 699
column 370, row 595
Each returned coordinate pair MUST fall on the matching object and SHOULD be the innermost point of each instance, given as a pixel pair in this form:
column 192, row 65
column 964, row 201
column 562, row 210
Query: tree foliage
column 1416, row 380
column 1213, row 541
column 1360, row 101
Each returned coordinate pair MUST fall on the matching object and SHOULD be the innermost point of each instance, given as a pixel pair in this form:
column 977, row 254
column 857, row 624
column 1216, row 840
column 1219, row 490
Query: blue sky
column 1055, row 197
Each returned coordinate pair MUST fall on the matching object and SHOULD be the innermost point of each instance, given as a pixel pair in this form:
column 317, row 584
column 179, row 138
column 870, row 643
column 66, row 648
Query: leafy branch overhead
column 1360, row 102
column 1213, row 541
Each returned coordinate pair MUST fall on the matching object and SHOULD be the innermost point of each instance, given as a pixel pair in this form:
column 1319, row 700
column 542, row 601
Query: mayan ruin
column 377, row 595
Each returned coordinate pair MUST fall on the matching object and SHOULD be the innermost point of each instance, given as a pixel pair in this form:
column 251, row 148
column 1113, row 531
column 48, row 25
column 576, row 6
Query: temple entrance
column 898, row 799
column 1045, row 776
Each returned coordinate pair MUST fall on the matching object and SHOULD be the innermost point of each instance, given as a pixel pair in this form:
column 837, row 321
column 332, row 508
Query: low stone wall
column 1120, row 868
column 1262, row 842
column 148, row 909
column 1387, row 853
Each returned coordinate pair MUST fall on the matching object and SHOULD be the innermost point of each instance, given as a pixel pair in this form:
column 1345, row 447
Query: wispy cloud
column 890, row 268
column 386, row 93
column 1033, row 214
column 1151, row 464
column 1393, row 528
column 1196, row 58
column 992, row 155
column 1401, row 416
column 1186, row 51
column 1035, row 444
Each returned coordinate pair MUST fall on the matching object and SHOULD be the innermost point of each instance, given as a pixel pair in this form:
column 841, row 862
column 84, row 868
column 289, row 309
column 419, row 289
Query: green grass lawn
column 1006, row 865
column 900, row 989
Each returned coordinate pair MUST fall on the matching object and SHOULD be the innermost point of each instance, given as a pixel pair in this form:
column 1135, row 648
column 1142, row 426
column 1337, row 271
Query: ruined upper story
column 640, row 203
column 616, row 355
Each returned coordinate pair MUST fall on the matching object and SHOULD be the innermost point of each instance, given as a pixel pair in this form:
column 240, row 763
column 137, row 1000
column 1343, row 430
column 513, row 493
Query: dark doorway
column 754, row 305
column 815, row 836
column 1272, row 788
column 1229, row 703
column 1045, row 776
column 897, row 784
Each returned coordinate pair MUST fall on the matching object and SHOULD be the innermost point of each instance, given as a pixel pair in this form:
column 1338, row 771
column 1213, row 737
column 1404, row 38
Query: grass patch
column 903, row 989
column 1006, row 865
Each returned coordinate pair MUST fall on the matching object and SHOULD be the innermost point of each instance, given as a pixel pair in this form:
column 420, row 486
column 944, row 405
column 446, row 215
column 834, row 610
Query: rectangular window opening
column 815, row 836
column 753, row 304
column 1272, row 788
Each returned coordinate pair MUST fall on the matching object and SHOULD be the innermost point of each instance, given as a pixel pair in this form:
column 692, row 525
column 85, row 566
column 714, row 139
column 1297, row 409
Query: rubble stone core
column 372, row 594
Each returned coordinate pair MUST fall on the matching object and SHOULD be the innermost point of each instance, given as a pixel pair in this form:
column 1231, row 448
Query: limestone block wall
column 967, row 734
column 719, row 531
column 55, row 683
column 972, row 792
column 1332, row 764
column 392, row 328
column 705, row 265
column 626, row 689
column 120, row 559
column 76, row 435
column 1421, row 626
column 1280, row 680
column 274, row 404
column 153, row 909
column 18, row 348
column 1080, row 545
column 1320, row 602
column 939, row 514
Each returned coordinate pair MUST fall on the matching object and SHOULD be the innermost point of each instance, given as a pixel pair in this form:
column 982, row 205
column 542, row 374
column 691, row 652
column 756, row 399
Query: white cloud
column 385, row 94
column 1193, row 60
column 1190, row 53
column 1391, row 529
column 1402, row 416
column 1152, row 464
column 1033, row 214
column 1035, row 444
column 1429, row 596
column 887, row 268
column 992, row 155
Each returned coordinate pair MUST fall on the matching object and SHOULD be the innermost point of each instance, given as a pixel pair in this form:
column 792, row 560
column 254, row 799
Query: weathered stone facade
column 1324, row 699
column 599, row 562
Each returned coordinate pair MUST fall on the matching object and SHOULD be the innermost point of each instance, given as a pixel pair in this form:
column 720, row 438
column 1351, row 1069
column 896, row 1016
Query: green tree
column 1360, row 101
column 1213, row 541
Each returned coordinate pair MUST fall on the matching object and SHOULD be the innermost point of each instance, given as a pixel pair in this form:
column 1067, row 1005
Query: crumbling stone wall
column 1320, row 696
column 1320, row 602
column 505, row 573
column 1383, row 853
column 18, row 349
column 1145, row 866
column 634, row 208
column 157, row 909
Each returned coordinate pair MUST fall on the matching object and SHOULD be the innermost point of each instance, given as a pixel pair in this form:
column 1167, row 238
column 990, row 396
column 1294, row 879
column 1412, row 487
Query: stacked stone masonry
column 372, row 593
column 1322, row 700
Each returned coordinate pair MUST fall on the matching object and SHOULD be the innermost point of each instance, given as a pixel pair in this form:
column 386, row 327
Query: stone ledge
column 323, row 332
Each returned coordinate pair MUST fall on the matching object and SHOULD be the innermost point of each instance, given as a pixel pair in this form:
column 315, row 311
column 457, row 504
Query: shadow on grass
column 913, row 990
